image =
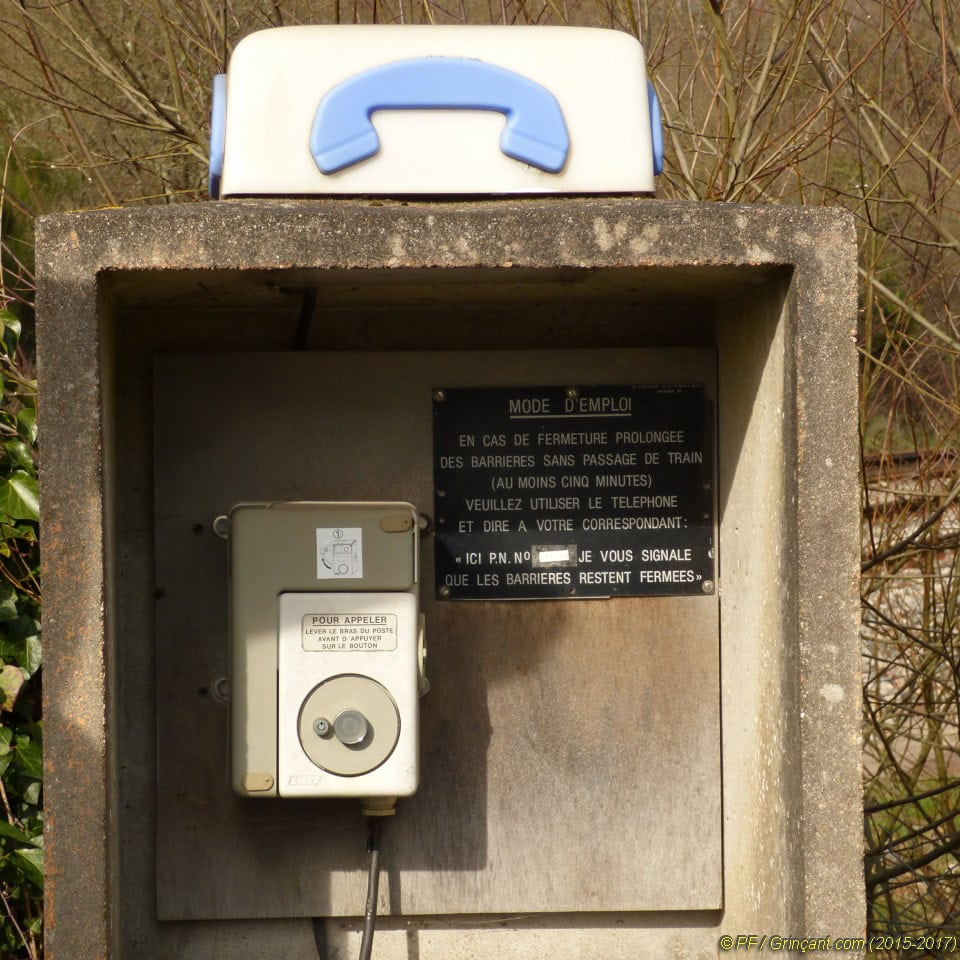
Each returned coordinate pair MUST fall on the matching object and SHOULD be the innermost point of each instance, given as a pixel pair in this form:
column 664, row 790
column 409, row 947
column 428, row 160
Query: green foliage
column 27, row 187
column 21, row 724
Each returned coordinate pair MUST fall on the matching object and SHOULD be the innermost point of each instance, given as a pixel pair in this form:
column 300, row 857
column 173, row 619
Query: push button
column 351, row 728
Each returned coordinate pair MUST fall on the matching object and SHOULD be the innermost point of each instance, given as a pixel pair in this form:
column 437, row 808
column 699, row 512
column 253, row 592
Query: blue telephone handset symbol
column 535, row 131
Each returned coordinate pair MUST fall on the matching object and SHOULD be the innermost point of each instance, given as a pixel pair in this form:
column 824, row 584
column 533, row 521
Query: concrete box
column 631, row 777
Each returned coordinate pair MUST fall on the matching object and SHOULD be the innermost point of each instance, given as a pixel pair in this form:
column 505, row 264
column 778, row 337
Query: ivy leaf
column 17, row 531
column 20, row 644
column 27, row 424
column 11, row 680
column 20, row 496
column 33, row 655
column 11, row 332
column 30, row 756
column 30, row 861
column 21, row 455
column 6, row 748
column 14, row 833
column 8, row 601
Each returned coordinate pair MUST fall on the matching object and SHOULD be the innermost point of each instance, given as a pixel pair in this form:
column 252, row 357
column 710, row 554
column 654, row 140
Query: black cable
column 320, row 937
column 373, row 887
column 307, row 308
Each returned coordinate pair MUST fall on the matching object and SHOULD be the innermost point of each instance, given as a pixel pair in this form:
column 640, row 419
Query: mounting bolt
column 571, row 393
column 444, row 592
column 707, row 586
column 439, row 395
column 321, row 727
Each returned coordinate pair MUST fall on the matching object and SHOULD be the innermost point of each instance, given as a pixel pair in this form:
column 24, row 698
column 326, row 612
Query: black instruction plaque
column 573, row 491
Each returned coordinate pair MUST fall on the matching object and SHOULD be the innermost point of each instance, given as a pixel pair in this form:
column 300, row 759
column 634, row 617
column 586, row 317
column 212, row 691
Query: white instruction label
column 339, row 553
column 349, row 632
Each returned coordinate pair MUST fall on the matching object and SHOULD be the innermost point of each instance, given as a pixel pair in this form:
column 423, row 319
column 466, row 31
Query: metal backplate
column 570, row 750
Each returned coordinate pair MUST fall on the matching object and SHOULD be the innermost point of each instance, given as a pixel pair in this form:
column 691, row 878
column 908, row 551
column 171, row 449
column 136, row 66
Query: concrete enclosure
column 619, row 778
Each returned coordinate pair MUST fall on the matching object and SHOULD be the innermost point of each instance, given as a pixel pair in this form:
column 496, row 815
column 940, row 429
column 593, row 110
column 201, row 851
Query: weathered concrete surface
column 772, row 287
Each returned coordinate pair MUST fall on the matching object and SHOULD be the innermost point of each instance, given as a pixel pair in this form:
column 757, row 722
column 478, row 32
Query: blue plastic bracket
column 534, row 133
column 218, row 132
column 656, row 130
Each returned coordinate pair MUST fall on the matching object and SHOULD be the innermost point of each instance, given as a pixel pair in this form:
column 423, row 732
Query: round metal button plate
column 366, row 725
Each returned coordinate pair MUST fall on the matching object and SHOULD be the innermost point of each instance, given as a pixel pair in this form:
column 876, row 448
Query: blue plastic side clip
column 218, row 132
column 534, row 133
column 656, row 130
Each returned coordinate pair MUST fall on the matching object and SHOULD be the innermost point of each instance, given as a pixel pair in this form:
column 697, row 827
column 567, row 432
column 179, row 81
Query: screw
column 707, row 586
column 439, row 395
column 321, row 727
column 444, row 592
column 571, row 393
